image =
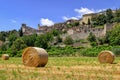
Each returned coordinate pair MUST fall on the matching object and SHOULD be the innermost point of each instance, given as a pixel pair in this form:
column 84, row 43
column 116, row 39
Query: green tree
column 17, row 45
column 2, row 36
column 3, row 47
column 55, row 32
column 12, row 37
column 109, row 16
column 94, row 21
column 101, row 19
column 117, row 16
column 20, row 32
column 42, row 42
column 91, row 37
column 30, row 39
column 114, row 36
column 49, row 37
column 68, row 40
column 59, row 39
column 98, row 20
column 76, row 23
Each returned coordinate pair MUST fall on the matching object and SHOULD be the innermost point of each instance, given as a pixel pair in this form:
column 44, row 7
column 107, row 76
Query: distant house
column 86, row 17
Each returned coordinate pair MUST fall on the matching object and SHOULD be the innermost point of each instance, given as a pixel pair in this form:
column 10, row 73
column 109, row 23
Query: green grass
column 60, row 68
column 12, row 60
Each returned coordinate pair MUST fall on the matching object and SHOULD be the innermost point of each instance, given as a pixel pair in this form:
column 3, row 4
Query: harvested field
column 61, row 68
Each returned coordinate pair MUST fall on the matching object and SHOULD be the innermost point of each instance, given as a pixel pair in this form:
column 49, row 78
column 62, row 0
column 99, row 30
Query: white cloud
column 84, row 11
column 68, row 18
column 46, row 22
column 81, row 12
column 13, row 21
column 100, row 10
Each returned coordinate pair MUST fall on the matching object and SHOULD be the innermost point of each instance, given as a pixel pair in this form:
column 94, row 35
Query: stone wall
column 29, row 31
column 82, row 32
column 77, row 32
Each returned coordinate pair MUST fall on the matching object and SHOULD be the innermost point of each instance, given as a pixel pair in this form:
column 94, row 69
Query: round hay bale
column 34, row 57
column 106, row 57
column 5, row 56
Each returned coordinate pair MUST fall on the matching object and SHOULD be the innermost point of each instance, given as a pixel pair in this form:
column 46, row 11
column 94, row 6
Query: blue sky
column 47, row 12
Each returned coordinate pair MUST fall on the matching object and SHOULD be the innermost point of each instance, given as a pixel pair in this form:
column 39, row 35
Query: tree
column 94, row 21
column 30, row 39
column 42, row 42
column 76, row 23
column 109, row 15
column 114, row 36
column 49, row 37
column 17, row 45
column 3, row 47
column 117, row 16
column 68, row 40
column 55, row 32
column 89, row 21
column 20, row 32
column 59, row 39
column 101, row 19
column 12, row 37
column 2, row 36
column 91, row 37
column 98, row 20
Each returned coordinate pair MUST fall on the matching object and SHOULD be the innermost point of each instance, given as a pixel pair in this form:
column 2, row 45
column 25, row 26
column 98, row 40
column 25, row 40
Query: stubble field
column 61, row 68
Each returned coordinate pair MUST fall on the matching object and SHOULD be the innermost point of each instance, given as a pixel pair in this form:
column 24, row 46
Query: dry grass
column 106, row 57
column 35, row 57
column 61, row 68
column 5, row 56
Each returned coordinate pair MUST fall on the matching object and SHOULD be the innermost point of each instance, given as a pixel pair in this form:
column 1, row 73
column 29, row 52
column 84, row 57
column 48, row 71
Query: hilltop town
column 80, row 29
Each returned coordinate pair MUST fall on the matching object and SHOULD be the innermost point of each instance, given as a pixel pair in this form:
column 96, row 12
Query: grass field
column 61, row 68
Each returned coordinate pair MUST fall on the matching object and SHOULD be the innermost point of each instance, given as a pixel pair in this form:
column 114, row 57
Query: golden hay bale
column 5, row 56
column 106, row 57
column 35, row 57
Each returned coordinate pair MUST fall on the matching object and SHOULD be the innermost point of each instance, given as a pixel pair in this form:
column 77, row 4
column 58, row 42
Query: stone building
column 86, row 17
column 29, row 30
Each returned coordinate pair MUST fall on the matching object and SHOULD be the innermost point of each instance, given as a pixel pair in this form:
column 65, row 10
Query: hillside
column 70, row 36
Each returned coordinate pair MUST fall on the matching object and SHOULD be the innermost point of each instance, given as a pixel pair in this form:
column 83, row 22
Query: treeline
column 14, row 42
column 109, row 16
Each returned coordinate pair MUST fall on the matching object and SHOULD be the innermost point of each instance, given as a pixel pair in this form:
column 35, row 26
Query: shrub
column 93, row 52
column 68, row 40
column 116, row 50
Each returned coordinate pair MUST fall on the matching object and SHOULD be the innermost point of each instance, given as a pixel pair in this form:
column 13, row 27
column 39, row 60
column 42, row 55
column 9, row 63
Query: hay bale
column 5, row 56
column 106, row 57
column 34, row 57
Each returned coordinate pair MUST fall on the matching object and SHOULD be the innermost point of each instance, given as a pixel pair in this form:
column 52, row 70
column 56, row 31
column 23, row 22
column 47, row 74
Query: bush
column 59, row 51
column 94, row 51
column 68, row 40
column 93, row 44
column 116, row 50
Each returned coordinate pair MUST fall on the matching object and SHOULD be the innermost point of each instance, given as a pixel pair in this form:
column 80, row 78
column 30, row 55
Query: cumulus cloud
column 68, row 18
column 81, row 11
column 46, row 22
